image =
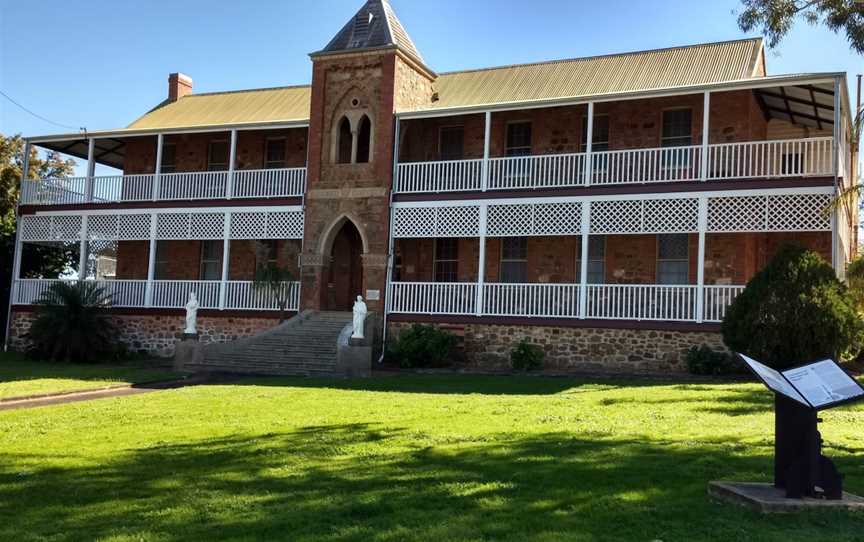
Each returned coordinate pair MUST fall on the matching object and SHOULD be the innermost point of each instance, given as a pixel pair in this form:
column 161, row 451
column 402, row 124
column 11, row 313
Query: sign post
column 800, row 393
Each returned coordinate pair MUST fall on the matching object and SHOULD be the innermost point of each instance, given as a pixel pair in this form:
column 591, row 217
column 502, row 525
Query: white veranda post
column 151, row 261
column 157, row 173
column 481, row 266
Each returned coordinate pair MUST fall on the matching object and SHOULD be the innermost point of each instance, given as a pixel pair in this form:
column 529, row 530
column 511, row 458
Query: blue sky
column 101, row 64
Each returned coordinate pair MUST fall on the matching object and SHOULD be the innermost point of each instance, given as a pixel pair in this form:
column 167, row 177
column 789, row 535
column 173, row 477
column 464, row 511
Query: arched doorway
column 345, row 274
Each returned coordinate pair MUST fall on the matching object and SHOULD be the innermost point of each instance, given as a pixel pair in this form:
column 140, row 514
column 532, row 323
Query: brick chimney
column 179, row 85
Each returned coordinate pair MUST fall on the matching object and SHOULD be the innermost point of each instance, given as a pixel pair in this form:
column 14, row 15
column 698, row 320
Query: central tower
column 367, row 73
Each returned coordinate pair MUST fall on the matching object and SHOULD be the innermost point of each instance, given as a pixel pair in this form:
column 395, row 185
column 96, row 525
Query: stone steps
column 305, row 345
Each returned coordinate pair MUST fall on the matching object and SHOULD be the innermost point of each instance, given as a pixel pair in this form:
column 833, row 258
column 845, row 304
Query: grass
column 413, row 458
column 20, row 377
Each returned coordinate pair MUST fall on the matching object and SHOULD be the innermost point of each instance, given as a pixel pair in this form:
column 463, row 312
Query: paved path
column 117, row 391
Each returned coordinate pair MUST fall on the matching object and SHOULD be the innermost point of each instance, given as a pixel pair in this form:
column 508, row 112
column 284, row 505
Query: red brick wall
column 192, row 150
column 184, row 259
column 730, row 258
column 735, row 116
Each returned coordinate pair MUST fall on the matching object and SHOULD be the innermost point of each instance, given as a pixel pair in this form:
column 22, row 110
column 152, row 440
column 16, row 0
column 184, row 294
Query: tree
column 793, row 311
column 274, row 280
column 775, row 18
column 72, row 323
column 38, row 261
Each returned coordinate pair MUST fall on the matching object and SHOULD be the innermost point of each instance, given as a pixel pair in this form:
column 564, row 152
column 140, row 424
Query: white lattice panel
column 510, row 220
column 248, row 225
column 737, row 213
column 66, row 228
column 133, row 227
column 557, row 218
column 624, row 216
column 413, row 222
column 207, row 225
column 285, row 225
column 799, row 212
column 35, row 228
column 172, row 226
column 102, row 227
column 458, row 222
column 671, row 215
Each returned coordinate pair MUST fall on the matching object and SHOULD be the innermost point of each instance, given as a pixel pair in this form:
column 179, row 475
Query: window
column 274, row 153
column 514, row 259
column 596, row 260
column 600, row 136
column 364, row 140
column 518, row 139
column 169, row 158
column 673, row 259
column 161, row 263
column 345, row 142
column 446, row 260
column 451, row 143
column 217, row 156
column 677, row 128
column 211, row 260
column 269, row 255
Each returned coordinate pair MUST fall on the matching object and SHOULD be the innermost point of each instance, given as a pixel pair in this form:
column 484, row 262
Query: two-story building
column 609, row 208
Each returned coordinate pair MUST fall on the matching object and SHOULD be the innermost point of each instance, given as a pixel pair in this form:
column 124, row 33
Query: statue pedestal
column 187, row 351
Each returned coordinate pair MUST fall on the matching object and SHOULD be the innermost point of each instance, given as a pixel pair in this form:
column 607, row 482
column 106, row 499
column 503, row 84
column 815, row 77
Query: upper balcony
column 249, row 164
column 783, row 132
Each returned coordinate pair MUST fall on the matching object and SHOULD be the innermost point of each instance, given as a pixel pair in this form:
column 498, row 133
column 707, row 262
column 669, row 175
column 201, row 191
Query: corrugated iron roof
column 268, row 105
column 592, row 76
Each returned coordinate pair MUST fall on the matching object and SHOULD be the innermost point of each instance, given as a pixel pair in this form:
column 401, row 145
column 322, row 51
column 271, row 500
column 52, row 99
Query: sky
column 100, row 64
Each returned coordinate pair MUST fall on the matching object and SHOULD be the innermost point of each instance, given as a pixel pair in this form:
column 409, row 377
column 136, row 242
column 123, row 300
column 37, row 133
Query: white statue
column 360, row 311
column 191, row 314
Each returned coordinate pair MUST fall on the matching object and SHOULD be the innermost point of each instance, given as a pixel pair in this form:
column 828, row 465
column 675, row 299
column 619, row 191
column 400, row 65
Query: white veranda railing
column 748, row 159
column 170, row 294
column 603, row 301
column 257, row 183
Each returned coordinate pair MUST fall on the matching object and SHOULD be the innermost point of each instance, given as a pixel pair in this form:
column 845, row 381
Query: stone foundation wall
column 487, row 346
column 156, row 335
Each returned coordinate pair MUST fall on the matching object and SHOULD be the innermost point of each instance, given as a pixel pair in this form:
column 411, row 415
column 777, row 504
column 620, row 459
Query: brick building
column 609, row 208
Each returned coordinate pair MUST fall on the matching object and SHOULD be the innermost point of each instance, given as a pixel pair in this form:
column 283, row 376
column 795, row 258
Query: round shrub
column 422, row 346
column 703, row 360
column 793, row 311
column 527, row 357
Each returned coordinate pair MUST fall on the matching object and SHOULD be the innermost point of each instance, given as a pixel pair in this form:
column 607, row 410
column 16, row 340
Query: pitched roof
column 608, row 74
column 375, row 25
column 266, row 105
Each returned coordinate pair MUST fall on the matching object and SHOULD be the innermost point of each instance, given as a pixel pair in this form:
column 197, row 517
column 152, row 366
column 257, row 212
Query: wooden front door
column 345, row 280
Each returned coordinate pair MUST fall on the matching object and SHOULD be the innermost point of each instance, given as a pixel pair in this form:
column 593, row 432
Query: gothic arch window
column 345, row 142
column 364, row 140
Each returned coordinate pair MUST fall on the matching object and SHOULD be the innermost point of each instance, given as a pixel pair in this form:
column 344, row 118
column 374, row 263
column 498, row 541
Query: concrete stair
column 305, row 345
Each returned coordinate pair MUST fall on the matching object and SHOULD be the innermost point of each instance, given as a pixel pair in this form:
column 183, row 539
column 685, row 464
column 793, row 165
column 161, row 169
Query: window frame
column 583, row 144
column 204, row 261
column 529, row 148
column 364, row 119
column 161, row 260
column 522, row 260
column 436, row 259
column 268, row 164
column 441, row 130
column 171, row 167
column 602, row 259
column 211, row 163
column 661, row 260
column 664, row 139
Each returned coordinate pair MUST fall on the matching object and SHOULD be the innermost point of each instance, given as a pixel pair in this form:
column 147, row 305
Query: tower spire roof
column 374, row 26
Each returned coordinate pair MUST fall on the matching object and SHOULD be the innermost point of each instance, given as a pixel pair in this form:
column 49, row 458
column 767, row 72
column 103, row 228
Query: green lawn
column 21, row 378
column 432, row 458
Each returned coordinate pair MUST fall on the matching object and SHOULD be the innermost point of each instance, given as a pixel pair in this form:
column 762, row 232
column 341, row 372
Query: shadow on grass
column 460, row 384
column 369, row 482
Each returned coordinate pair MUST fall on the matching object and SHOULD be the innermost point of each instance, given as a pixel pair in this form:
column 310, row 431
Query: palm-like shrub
column 72, row 323
column 794, row 311
column 276, row 282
